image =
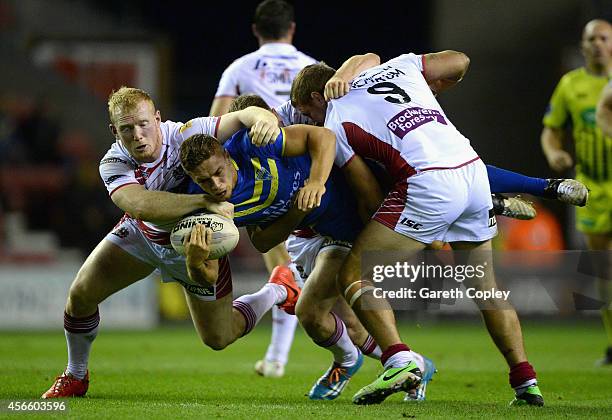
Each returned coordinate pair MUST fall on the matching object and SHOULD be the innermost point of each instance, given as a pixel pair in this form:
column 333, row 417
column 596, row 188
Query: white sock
column 523, row 387
column 283, row 329
column 79, row 347
column 280, row 292
column 254, row 307
column 369, row 348
column 340, row 344
column 419, row 360
column 376, row 353
column 399, row 359
column 80, row 334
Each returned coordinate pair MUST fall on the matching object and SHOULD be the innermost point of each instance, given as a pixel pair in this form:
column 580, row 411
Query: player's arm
column 443, row 70
column 364, row 186
column 220, row 105
column 338, row 85
column 320, row 143
column 263, row 125
column 264, row 239
column 551, row 140
column 227, row 90
column 604, row 111
column 158, row 206
column 200, row 270
column 553, row 133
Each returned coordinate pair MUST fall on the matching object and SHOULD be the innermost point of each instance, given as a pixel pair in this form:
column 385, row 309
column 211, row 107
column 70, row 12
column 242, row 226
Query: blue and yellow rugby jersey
column 267, row 183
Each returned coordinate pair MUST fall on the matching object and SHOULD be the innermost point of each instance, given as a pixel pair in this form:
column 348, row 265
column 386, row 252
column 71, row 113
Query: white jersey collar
column 277, row 47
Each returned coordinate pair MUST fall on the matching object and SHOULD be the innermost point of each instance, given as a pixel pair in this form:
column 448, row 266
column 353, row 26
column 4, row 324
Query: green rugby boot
column 392, row 380
column 531, row 396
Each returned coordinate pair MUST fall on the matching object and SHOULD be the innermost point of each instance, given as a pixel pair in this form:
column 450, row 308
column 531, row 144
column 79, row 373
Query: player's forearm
column 321, row 145
column 604, row 112
column 267, row 238
column 234, row 121
column 220, row 105
column 249, row 116
column 551, row 140
column 160, row 206
column 357, row 64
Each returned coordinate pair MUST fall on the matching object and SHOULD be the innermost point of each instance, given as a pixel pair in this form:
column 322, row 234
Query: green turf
column 167, row 373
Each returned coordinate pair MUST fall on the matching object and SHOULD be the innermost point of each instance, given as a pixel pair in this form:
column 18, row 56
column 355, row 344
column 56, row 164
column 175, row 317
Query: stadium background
column 61, row 58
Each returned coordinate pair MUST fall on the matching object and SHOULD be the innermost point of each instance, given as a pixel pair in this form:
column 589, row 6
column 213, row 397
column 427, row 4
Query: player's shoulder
column 335, row 114
column 238, row 143
column 246, row 60
column 172, row 131
column 573, row 76
column 305, row 57
column 117, row 155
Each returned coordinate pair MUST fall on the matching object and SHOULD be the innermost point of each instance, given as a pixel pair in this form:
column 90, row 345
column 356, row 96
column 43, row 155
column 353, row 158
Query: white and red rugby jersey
column 118, row 168
column 390, row 115
column 267, row 72
column 289, row 115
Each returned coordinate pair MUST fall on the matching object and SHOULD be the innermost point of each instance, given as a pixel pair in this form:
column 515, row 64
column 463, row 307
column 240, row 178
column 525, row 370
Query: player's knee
column 80, row 297
column 216, row 342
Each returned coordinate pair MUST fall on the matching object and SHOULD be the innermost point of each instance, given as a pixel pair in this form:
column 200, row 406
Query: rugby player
column 143, row 175
column 268, row 72
column 316, row 258
column 391, row 115
column 574, row 101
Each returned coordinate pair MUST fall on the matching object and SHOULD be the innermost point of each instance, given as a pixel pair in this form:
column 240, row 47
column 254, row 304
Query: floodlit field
column 167, row 373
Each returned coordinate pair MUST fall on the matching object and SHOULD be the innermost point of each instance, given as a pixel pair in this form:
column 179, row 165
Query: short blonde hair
column 126, row 99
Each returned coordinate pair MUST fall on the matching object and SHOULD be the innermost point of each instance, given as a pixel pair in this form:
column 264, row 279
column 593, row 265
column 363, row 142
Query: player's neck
column 597, row 69
column 284, row 40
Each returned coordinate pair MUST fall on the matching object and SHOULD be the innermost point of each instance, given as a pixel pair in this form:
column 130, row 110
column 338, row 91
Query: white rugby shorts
column 304, row 247
column 167, row 262
column 442, row 205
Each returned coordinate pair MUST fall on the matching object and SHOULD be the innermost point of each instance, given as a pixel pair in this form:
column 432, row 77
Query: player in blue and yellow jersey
column 574, row 103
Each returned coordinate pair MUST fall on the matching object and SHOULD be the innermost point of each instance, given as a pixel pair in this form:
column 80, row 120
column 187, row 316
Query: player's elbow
column 325, row 140
column 134, row 207
column 463, row 63
column 372, row 59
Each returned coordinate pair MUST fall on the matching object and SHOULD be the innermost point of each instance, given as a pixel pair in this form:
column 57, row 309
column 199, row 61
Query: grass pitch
column 167, row 373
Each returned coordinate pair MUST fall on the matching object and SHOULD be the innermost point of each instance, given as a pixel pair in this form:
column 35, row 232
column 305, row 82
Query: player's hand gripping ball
column 225, row 234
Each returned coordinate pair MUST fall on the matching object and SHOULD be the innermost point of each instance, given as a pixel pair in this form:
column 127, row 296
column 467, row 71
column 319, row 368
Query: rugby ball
column 225, row 234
